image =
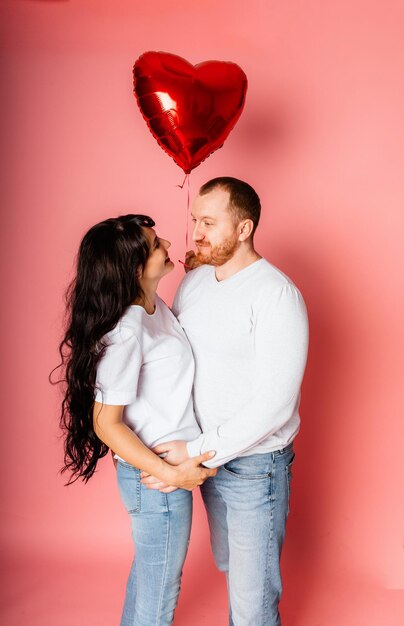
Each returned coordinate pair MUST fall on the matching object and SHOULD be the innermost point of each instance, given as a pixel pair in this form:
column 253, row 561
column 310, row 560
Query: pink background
column 321, row 139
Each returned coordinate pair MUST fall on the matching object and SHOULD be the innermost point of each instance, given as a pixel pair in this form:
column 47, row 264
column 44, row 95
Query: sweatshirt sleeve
column 176, row 308
column 280, row 344
column 118, row 369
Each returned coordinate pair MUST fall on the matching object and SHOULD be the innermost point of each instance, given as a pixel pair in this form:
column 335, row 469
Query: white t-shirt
column 148, row 368
column 249, row 336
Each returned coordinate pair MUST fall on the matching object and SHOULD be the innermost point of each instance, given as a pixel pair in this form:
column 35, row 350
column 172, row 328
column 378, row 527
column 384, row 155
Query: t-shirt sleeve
column 118, row 369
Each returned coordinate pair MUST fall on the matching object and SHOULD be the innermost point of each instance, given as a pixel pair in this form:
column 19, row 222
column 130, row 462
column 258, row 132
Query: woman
column 129, row 374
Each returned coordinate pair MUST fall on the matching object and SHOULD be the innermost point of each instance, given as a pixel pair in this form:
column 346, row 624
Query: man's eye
column 208, row 223
column 193, row 220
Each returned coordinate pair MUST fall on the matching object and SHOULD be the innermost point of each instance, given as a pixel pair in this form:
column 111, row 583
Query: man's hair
column 244, row 202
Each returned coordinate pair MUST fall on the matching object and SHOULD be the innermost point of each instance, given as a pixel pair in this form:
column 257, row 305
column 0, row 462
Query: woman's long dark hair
column 106, row 283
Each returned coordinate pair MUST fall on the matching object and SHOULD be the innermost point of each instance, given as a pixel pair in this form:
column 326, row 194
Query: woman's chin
column 168, row 266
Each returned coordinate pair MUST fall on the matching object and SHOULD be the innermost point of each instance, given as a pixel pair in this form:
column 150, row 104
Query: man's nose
column 197, row 235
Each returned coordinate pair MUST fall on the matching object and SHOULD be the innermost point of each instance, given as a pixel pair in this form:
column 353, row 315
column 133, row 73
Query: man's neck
column 241, row 259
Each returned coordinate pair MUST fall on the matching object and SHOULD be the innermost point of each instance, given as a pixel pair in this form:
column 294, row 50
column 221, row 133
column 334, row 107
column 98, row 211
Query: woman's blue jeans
column 161, row 525
column 247, row 504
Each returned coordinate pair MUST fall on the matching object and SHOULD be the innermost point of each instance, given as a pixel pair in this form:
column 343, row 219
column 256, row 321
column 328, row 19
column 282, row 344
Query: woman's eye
column 157, row 244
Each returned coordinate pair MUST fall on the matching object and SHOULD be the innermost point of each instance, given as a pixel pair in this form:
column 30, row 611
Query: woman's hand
column 187, row 475
column 175, row 452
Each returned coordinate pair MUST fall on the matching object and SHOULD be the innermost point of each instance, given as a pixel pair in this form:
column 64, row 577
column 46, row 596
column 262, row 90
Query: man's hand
column 189, row 469
column 191, row 261
column 175, row 451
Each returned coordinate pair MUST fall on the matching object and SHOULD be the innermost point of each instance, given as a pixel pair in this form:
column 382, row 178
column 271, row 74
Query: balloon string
column 183, row 182
column 187, row 217
column 187, row 177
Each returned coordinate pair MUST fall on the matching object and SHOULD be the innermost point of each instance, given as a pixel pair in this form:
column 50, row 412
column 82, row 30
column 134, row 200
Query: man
column 247, row 325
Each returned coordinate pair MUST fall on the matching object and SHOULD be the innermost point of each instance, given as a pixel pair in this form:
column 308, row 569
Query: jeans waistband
column 283, row 450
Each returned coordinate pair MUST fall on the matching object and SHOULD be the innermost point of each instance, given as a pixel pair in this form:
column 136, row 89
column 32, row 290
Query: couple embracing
column 206, row 394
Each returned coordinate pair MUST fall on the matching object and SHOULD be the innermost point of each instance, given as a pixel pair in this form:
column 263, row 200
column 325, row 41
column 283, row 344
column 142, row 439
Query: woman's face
column 158, row 263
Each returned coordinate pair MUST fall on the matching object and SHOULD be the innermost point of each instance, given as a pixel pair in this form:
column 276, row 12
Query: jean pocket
column 129, row 486
column 247, row 470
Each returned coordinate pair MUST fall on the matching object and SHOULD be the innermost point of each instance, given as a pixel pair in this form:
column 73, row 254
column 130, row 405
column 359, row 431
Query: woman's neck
column 148, row 298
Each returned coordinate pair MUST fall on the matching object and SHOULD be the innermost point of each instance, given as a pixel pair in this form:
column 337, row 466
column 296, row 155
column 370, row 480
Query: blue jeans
column 247, row 503
column 161, row 525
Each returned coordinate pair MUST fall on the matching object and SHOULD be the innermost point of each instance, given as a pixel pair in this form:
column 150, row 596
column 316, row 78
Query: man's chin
column 217, row 255
column 203, row 259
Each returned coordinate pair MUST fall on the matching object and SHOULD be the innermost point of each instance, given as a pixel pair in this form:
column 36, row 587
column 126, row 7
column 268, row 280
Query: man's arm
column 281, row 342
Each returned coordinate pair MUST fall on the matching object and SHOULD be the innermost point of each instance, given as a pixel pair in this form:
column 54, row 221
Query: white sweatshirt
column 249, row 336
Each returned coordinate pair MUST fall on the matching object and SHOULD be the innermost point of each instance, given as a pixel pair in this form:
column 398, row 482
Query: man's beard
column 218, row 255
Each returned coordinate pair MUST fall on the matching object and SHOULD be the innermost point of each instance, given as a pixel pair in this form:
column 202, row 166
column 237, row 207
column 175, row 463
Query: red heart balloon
column 189, row 109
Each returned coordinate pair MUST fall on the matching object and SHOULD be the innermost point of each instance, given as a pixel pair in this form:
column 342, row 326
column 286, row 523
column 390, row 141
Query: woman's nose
column 167, row 243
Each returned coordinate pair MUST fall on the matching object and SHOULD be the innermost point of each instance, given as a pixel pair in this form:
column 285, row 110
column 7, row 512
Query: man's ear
column 245, row 229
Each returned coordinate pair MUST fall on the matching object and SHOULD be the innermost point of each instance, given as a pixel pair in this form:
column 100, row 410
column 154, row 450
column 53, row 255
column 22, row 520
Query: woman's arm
column 109, row 427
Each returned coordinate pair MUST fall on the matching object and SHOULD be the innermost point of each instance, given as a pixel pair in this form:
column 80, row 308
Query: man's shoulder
column 274, row 286
column 189, row 286
column 195, row 277
column 271, row 276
